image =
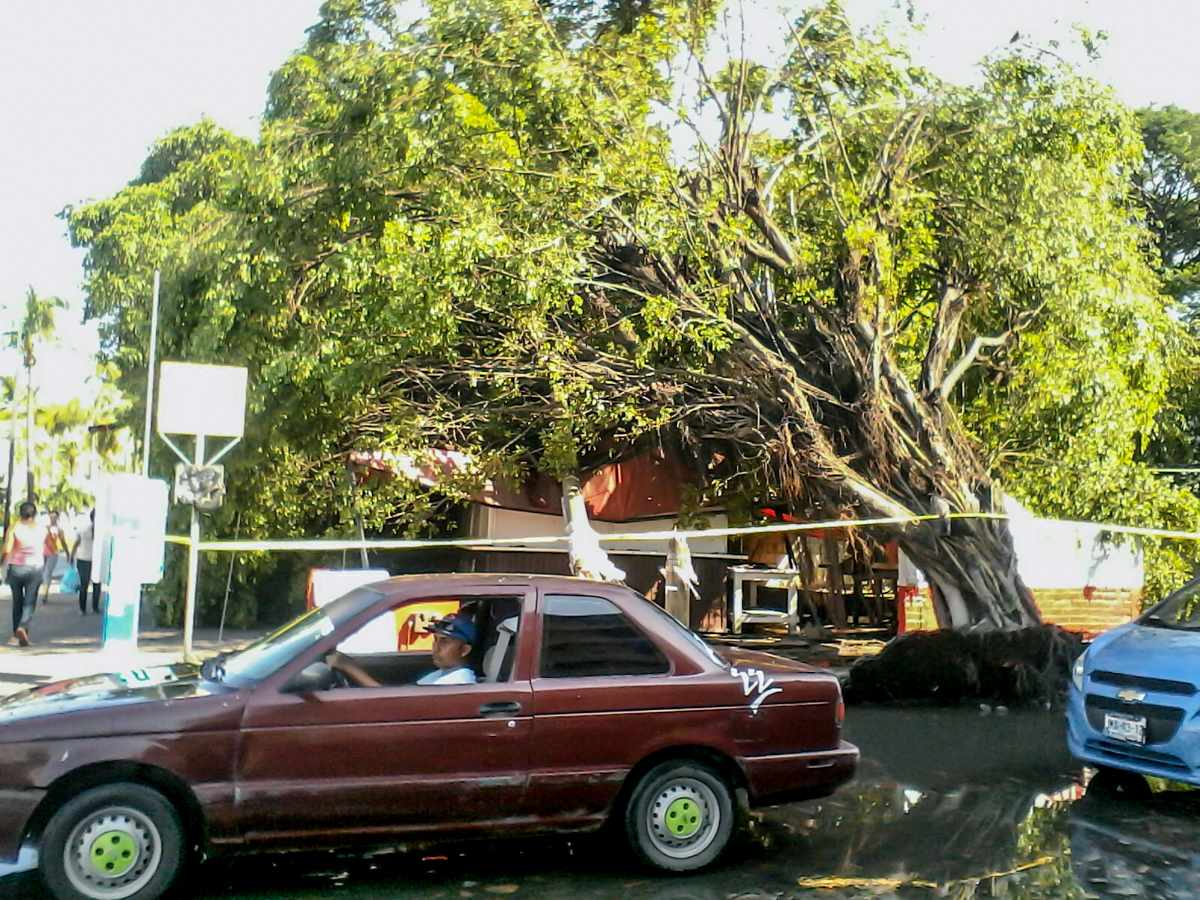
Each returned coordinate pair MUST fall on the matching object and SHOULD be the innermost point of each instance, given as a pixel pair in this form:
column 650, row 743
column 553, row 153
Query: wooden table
column 743, row 612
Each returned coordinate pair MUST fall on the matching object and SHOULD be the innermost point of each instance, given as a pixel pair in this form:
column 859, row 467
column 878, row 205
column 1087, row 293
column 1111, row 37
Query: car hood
column 90, row 692
column 1150, row 652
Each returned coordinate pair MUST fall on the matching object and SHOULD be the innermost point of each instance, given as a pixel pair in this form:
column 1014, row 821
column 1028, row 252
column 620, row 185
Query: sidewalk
column 66, row 644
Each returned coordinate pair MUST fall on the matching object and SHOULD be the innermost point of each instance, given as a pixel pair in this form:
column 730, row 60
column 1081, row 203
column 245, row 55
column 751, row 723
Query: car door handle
column 503, row 708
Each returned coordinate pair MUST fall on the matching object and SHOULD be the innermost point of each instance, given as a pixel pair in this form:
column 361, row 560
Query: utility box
column 130, row 543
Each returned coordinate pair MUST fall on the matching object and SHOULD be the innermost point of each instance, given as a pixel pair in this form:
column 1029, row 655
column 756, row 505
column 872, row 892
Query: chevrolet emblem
column 1130, row 695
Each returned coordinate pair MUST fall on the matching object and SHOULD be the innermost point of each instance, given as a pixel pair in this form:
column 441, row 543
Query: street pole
column 12, row 452
column 150, row 376
column 193, row 568
column 29, row 434
column 237, row 531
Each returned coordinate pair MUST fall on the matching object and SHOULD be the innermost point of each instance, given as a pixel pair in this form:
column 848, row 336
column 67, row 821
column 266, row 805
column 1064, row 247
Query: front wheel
column 113, row 842
column 680, row 816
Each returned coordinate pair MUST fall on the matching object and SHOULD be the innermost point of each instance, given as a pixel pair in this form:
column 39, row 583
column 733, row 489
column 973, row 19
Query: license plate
column 1125, row 728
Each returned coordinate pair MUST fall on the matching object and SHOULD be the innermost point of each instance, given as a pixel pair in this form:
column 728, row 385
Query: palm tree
column 37, row 324
column 68, row 457
column 58, row 421
column 8, row 391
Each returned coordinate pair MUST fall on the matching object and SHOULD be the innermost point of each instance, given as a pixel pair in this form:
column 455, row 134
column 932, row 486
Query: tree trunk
column 30, row 494
column 830, row 434
column 8, row 484
column 974, row 569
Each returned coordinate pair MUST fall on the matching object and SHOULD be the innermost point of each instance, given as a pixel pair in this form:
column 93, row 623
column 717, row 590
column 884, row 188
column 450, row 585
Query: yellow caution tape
column 412, row 544
column 320, row 544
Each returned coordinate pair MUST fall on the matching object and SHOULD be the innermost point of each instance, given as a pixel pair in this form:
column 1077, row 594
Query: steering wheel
column 340, row 678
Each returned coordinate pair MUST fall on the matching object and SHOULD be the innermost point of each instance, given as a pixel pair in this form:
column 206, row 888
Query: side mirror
column 313, row 677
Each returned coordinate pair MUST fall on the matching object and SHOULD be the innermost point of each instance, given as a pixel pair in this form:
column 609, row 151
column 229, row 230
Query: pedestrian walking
column 55, row 541
column 23, row 546
column 81, row 556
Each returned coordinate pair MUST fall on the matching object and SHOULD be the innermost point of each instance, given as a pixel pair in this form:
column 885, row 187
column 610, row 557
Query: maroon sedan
column 591, row 705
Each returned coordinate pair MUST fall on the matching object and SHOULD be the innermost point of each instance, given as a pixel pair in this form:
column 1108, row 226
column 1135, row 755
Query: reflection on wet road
column 947, row 804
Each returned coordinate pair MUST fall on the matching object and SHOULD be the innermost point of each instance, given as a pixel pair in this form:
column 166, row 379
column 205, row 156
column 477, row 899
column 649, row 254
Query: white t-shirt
column 85, row 532
column 458, row 675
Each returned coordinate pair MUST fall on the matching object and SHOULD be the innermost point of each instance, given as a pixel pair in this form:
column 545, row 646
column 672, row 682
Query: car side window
column 584, row 636
column 394, row 647
column 378, row 636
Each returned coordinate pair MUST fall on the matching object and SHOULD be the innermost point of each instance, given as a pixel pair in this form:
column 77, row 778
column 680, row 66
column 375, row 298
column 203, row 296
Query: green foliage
column 1169, row 186
column 474, row 231
column 1169, row 182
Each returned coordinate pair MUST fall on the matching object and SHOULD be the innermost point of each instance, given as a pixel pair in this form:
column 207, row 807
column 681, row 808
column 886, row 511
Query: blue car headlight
column 1077, row 671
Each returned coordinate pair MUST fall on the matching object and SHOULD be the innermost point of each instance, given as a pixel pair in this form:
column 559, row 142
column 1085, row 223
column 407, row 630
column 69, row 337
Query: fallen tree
column 486, row 230
column 949, row 667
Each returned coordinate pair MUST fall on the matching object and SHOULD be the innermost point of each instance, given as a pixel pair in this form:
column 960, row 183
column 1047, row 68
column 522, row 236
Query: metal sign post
column 150, row 374
column 199, row 400
column 193, row 567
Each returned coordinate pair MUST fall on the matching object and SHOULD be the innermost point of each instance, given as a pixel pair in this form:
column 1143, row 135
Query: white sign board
column 326, row 585
column 199, row 399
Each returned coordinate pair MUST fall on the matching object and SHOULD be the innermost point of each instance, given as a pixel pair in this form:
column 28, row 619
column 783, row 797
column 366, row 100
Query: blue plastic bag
column 70, row 580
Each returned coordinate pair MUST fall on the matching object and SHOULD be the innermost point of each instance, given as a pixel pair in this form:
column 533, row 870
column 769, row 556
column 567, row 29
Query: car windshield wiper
column 1156, row 622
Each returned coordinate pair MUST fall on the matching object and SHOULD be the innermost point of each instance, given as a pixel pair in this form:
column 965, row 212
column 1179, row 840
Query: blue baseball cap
column 455, row 626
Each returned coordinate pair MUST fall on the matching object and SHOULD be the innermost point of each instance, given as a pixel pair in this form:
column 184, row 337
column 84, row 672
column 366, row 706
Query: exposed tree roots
column 948, row 667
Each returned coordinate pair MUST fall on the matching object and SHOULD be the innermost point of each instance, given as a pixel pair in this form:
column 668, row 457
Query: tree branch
column 952, row 304
column 967, row 360
column 1022, row 321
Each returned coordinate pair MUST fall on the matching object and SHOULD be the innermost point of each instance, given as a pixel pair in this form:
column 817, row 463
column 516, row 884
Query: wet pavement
column 948, row 803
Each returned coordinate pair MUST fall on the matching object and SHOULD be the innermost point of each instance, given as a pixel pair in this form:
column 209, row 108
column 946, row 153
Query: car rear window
column 690, row 636
column 584, row 636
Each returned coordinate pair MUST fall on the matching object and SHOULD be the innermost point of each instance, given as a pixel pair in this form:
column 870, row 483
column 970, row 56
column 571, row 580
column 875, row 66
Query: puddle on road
column 947, row 804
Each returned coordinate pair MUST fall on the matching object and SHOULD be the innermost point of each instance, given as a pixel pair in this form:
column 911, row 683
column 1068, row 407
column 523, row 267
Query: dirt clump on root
column 1016, row 667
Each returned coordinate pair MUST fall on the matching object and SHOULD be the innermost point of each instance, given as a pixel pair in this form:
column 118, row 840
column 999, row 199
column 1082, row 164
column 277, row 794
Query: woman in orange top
column 54, row 546
column 23, row 552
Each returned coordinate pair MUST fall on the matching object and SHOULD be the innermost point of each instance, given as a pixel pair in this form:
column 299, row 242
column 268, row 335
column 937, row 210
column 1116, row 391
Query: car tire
column 114, row 842
column 680, row 816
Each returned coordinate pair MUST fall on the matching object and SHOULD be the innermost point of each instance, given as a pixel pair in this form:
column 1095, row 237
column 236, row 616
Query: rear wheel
column 113, row 842
column 680, row 816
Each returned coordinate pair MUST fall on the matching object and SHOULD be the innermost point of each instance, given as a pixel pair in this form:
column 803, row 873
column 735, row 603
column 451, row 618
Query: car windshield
column 267, row 654
column 694, row 638
column 1180, row 610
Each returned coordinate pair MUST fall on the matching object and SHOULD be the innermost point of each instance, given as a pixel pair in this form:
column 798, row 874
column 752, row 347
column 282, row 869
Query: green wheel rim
column 113, row 854
column 684, row 817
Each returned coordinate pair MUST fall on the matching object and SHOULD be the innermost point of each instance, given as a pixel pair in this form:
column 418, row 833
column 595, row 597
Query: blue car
column 1134, row 704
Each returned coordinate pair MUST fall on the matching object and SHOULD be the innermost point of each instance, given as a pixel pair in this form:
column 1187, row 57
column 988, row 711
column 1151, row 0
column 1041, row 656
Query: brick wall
column 1087, row 610
column 914, row 609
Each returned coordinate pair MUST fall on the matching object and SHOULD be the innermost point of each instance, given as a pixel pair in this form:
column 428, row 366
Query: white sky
column 88, row 85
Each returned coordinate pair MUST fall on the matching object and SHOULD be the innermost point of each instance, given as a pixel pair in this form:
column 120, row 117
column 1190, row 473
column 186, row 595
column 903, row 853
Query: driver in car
column 453, row 638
